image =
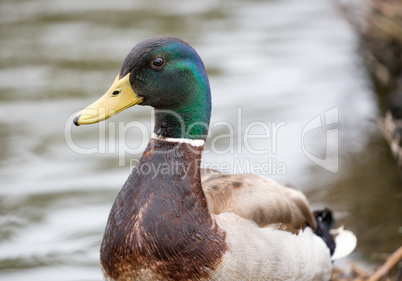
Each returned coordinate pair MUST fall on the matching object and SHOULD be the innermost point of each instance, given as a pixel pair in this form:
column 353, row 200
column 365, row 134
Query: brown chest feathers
column 159, row 224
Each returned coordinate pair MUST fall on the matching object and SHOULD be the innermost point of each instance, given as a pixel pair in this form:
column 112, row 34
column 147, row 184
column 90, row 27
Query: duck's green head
column 167, row 74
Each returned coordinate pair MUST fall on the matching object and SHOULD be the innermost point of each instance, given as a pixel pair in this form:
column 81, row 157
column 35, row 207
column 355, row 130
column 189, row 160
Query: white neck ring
column 196, row 143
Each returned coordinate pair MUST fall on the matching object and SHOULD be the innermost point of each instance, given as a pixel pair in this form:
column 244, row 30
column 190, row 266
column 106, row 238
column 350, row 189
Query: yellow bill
column 119, row 97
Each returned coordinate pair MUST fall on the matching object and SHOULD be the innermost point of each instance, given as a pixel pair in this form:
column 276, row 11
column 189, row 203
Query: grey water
column 291, row 101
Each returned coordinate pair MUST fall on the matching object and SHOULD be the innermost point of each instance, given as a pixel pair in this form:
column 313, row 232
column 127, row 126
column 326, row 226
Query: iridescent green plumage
column 178, row 90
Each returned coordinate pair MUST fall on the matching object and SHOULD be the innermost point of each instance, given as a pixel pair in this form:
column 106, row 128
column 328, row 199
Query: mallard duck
column 174, row 221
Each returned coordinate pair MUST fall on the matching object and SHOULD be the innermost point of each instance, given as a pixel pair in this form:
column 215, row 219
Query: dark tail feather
column 325, row 222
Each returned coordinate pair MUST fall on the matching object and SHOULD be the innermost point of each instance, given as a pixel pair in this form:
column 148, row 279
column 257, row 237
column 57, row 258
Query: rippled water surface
column 279, row 63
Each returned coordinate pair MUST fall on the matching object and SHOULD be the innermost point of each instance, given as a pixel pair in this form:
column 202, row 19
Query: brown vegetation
column 379, row 26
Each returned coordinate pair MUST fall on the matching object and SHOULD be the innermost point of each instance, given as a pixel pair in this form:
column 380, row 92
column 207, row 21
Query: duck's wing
column 258, row 199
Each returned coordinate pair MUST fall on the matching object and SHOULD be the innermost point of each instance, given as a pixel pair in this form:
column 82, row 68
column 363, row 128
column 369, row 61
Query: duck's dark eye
column 158, row 62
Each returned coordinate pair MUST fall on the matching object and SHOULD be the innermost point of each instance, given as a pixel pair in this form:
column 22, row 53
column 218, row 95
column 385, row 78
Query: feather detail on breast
column 258, row 199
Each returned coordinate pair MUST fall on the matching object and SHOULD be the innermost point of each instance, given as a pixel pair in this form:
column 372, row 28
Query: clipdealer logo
column 331, row 160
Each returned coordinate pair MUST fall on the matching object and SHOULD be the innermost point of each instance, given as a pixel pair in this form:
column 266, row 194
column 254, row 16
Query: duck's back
column 269, row 230
column 258, row 199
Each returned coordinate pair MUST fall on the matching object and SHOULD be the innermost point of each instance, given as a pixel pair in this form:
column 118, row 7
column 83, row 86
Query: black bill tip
column 75, row 120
